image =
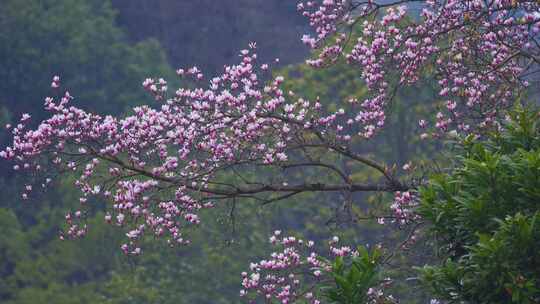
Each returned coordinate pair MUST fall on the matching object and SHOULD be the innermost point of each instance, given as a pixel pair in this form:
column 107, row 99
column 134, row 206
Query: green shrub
column 485, row 217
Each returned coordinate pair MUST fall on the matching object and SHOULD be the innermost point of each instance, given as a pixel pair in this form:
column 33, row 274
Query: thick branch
column 263, row 188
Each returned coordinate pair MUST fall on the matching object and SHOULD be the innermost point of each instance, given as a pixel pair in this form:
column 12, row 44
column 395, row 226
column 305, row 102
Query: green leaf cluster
column 353, row 280
column 485, row 215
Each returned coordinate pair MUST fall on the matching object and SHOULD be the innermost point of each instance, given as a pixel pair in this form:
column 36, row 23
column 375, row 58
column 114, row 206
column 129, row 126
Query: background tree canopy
column 209, row 33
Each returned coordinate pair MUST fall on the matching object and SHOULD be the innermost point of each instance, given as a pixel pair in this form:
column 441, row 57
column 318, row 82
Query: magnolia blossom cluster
column 294, row 273
column 376, row 295
column 480, row 53
column 324, row 18
column 403, row 207
column 283, row 277
column 160, row 166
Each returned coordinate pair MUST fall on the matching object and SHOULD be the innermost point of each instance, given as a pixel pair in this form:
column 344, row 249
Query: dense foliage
column 485, row 217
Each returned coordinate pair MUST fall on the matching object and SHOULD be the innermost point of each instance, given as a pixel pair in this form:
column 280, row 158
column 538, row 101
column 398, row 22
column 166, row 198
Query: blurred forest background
column 103, row 50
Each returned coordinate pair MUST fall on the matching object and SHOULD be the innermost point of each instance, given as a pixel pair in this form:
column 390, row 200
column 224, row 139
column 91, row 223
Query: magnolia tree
column 162, row 165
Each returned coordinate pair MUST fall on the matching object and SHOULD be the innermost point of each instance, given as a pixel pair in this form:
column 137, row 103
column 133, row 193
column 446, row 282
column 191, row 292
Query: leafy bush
column 353, row 282
column 485, row 217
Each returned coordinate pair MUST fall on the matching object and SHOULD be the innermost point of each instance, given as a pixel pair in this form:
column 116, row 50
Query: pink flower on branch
column 296, row 272
column 480, row 52
column 160, row 167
